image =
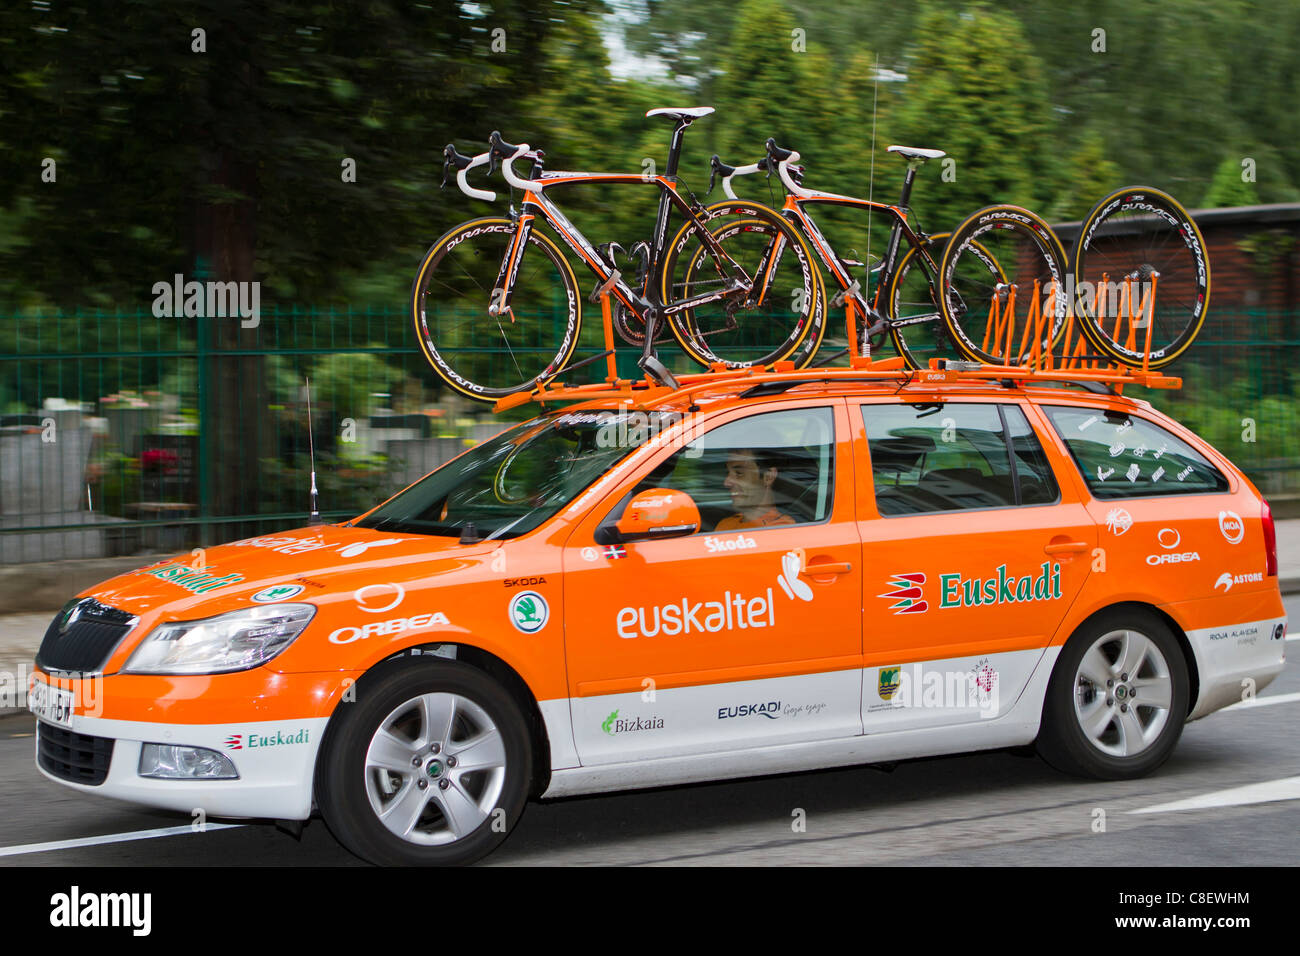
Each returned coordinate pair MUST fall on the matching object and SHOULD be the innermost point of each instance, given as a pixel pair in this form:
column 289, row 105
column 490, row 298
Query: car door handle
column 830, row 567
column 1066, row 547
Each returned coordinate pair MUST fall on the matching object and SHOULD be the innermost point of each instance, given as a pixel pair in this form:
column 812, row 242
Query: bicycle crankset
column 629, row 327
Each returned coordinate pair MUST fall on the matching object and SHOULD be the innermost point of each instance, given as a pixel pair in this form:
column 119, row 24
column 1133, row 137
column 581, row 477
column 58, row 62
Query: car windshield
column 509, row 485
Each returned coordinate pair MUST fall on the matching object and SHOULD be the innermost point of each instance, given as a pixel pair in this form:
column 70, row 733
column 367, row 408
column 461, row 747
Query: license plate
column 50, row 703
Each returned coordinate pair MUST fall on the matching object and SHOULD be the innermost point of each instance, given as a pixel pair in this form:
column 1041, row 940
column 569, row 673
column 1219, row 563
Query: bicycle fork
column 504, row 288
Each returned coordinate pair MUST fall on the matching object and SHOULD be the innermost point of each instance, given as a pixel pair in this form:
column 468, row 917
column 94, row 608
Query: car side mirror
column 658, row 513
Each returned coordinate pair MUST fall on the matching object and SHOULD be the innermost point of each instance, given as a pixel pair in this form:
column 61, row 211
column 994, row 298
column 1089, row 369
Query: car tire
column 1117, row 699
column 469, row 787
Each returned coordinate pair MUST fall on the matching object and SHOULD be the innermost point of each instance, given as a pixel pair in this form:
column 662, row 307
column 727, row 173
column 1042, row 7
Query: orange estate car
column 679, row 586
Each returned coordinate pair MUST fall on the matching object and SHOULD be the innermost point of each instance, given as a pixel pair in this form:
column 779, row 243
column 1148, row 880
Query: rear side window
column 1122, row 456
column 954, row 457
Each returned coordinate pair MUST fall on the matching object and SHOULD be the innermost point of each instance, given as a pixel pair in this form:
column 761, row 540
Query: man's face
column 746, row 483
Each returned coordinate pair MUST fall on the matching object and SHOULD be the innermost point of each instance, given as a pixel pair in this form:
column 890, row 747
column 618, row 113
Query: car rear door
column 972, row 553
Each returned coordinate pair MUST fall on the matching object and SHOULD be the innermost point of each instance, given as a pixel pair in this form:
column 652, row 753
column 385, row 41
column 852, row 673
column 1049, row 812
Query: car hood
column 292, row 565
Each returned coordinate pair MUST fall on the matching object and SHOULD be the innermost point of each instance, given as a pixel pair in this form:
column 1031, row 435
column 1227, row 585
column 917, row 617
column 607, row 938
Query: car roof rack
column 753, row 382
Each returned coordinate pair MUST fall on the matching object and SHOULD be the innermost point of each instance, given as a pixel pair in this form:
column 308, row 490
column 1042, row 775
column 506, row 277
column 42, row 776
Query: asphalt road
column 981, row 809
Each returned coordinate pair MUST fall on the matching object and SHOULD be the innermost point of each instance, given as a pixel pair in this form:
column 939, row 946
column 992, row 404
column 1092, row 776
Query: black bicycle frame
column 645, row 304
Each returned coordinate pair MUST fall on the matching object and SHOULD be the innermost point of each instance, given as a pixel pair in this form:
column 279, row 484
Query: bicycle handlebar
column 791, row 176
column 508, row 153
column 463, row 164
column 783, row 158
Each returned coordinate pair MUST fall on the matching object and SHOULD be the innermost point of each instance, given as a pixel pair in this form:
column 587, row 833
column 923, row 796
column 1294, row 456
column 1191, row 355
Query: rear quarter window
column 1124, row 456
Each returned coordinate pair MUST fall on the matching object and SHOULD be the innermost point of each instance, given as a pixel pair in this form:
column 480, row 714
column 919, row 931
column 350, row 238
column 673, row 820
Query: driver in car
column 751, row 473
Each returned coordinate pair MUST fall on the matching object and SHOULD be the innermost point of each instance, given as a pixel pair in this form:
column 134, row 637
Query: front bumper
column 275, row 780
column 269, row 725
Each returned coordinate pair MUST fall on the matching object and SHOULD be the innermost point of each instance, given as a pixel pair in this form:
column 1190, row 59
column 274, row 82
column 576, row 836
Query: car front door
column 743, row 634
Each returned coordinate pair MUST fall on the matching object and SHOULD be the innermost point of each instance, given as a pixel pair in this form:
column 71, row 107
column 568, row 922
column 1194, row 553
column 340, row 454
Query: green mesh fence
column 123, row 433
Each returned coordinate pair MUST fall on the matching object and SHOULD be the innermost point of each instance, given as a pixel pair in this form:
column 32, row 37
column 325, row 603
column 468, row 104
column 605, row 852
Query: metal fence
column 124, row 433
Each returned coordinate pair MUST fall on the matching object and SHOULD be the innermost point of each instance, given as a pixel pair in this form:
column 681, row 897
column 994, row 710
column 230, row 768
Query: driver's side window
column 765, row 470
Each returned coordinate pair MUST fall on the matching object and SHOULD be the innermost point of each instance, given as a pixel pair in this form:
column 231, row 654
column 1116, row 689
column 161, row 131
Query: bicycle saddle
column 694, row 112
column 915, row 152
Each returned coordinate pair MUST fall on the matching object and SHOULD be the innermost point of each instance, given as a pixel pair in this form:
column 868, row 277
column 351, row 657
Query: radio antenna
column 871, row 180
column 314, row 518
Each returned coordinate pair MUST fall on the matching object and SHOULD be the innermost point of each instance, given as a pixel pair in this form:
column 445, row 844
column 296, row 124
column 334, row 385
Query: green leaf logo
column 608, row 724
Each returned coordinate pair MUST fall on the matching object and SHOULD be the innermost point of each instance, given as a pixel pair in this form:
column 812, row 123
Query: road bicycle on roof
column 906, row 292
column 496, row 304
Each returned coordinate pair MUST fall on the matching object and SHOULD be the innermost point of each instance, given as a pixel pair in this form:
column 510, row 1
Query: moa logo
column 1232, row 527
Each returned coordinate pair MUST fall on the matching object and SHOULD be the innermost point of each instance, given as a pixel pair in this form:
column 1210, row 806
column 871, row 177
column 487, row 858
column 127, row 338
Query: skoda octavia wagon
column 657, row 587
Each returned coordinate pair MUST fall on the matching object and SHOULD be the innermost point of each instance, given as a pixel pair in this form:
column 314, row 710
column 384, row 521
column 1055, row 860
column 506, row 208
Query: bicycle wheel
column 725, row 233
column 1140, row 233
column 994, row 263
column 483, row 356
column 767, row 320
column 917, row 327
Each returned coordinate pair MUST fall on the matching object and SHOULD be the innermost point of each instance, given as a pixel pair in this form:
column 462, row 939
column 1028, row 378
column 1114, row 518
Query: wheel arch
column 482, row 660
column 1180, row 635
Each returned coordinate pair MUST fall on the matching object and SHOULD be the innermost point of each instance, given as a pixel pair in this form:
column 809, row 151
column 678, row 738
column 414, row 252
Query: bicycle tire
column 1135, row 231
column 913, row 356
column 1025, row 251
column 699, row 332
column 804, row 353
column 466, row 284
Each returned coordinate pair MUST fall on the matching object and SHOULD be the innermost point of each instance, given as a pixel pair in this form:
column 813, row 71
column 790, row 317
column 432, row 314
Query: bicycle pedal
column 657, row 370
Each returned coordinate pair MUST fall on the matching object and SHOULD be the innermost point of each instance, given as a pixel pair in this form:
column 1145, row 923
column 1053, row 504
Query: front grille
column 77, row 758
column 82, row 636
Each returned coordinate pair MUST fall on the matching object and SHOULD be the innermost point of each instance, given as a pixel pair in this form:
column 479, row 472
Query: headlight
column 234, row 641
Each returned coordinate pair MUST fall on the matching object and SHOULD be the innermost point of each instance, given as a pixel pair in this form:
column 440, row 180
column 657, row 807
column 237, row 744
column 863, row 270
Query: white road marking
column 1288, row 788
column 1261, row 702
column 110, row 838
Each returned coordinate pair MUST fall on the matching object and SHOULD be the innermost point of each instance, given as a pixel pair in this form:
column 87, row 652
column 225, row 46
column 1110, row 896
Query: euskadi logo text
column 76, row 909
column 770, row 709
column 191, row 579
column 262, row 741
column 959, row 591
